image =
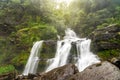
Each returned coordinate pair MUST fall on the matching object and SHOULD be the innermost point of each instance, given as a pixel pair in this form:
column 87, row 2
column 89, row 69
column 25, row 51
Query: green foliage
column 36, row 32
column 102, row 26
column 117, row 41
column 20, row 59
column 21, row 24
column 109, row 54
column 16, row 1
column 6, row 69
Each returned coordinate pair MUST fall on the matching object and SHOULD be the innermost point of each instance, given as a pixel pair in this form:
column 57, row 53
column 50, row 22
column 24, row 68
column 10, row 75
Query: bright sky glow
column 67, row 2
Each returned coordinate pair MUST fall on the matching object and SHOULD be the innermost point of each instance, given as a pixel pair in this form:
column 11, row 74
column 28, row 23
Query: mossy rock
column 8, row 72
column 109, row 54
column 106, row 38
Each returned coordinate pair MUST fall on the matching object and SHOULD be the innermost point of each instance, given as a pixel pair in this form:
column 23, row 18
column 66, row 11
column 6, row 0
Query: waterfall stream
column 33, row 60
column 85, row 58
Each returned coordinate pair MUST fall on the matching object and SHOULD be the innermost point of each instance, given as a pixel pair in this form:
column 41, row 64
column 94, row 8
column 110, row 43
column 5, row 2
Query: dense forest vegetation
column 23, row 22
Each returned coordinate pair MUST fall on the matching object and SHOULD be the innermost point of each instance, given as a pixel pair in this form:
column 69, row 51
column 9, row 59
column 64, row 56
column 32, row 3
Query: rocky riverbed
column 102, row 71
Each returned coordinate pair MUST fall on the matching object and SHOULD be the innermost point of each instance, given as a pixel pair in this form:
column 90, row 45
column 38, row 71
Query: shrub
column 6, row 69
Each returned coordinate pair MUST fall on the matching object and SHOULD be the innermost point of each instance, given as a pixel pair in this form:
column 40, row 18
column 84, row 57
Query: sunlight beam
column 66, row 2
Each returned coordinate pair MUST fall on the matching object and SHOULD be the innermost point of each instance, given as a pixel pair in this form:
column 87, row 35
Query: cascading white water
column 85, row 58
column 62, row 52
column 33, row 60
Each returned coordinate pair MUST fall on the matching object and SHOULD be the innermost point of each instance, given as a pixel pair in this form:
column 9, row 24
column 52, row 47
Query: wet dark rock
column 116, row 62
column 36, row 78
column 103, row 71
column 31, row 76
column 8, row 76
column 50, row 42
column 106, row 38
column 19, row 77
column 28, row 77
column 61, row 73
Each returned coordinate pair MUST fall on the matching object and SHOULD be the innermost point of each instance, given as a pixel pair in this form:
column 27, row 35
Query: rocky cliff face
column 106, row 41
column 107, row 38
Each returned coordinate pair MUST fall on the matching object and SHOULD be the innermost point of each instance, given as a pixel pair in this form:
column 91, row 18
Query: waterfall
column 33, row 60
column 85, row 58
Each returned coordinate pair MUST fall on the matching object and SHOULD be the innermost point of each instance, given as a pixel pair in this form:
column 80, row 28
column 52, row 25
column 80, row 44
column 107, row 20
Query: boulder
column 61, row 73
column 102, row 71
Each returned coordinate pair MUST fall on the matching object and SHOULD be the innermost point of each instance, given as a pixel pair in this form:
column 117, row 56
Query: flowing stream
column 33, row 60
